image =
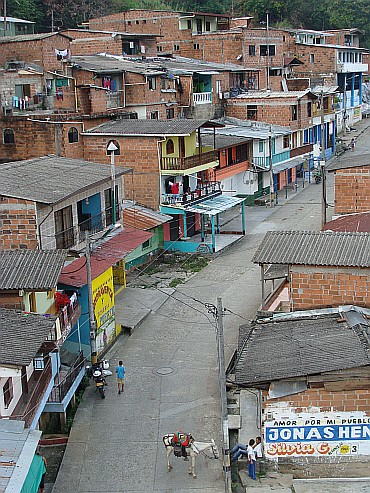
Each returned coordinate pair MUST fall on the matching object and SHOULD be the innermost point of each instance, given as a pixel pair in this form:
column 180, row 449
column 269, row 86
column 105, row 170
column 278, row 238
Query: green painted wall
column 142, row 253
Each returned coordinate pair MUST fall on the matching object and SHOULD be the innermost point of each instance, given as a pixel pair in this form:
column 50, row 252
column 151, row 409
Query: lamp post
column 271, row 173
column 322, row 162
column 112, row 148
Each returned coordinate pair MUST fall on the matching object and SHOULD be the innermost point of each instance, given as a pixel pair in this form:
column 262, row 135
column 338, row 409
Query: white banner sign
column 318, row 434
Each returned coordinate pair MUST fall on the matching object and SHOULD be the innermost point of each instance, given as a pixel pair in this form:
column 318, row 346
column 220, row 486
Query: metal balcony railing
column 206, row 190
column 60, row 391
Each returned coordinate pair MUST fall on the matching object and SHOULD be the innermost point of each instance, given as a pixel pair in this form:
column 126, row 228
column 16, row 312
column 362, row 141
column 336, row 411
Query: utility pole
column 322, row 163
column 268, row 51
column 94, row 358
column 112, row 148
column 223, row 397
column 271, row 170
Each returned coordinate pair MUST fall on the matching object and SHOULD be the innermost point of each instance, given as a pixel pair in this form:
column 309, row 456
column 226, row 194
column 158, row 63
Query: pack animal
column 184, row 445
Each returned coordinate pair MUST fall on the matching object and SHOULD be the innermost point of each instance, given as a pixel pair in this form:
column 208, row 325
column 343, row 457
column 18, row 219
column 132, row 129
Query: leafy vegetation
column 175, row 282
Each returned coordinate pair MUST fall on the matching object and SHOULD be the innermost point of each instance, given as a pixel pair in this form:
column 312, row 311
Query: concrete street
column 171, row 380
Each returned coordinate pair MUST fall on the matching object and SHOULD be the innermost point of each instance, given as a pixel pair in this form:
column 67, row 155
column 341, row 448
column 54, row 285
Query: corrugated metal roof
column 300, row 346
column 30, row 37
column 359, row 223
column 314, row 248
column 275, row 95
column 346, row 161
column 31, row 269
column 223, row 141
column 15, row 19
column 103, row 64
column 155, row 128
column 22, row 334
column 214, row 206
column 138, row 217
column 50, row 179
column 103, row 256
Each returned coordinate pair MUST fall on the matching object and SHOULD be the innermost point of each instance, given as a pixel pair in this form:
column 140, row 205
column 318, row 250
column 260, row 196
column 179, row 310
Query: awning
column 207, row 72
column 214, row 206
column 189, row 171
column 290, row 163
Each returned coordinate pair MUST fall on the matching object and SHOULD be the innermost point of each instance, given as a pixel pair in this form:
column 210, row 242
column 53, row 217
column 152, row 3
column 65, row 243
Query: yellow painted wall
column 190, row 146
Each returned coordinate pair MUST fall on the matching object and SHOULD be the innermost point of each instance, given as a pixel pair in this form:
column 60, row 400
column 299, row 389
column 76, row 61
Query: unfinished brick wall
column 352, row 187
column 322, row 287
column 11, row 300
column 18, row 224
column 39, row 51
column 139, row 153
column 276, row 111
column 342, row 401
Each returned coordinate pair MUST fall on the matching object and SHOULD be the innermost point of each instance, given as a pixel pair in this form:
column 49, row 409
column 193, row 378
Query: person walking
column 251, row 460
column 352, row 144
column 238, row 450
column 120, row 370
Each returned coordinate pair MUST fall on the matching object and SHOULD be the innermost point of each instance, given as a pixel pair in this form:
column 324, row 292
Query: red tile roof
column 357, row 223
column 103, row 256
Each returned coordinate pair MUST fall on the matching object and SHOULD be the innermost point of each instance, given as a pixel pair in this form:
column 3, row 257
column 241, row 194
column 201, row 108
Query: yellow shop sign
column 103, row 297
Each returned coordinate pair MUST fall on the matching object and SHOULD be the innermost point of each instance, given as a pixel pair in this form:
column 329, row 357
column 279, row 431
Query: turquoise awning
column 214, row 206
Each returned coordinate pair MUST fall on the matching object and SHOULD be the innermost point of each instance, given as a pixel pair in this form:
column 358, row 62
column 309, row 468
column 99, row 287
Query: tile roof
column 153, row 128
column 31, row 269
column 347, row 161
column 223, row 141
column 314, row 248
column 275, row 95
column 103, row 256
column 22, row 335
column 301, row 344
column 103, row 64
column 50, row 179
column 138, row 217
column 30, row 37
column 359, row 223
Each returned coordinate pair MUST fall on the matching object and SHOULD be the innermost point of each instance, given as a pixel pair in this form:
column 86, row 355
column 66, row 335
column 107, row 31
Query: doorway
column 174, row 228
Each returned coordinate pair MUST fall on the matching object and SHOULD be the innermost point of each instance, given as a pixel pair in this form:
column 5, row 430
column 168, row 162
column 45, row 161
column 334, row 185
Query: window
column 117, row 151
column 8, row 392
column 260, row 146
column 263, row 50
column 129, row 23
column 152, row 84
column 309, row 109
column 251, row 112
column 8, row 136
column 72, row 135
column 144, row 21
column 136, row 22
column 176, row 47
column 252, row 50
column 159, row 48
column 196, row 46
column 170, row 148
column 208, row 26
column 312, row 58
column 146, row 244
column 154, row 115
column 38, row 363
column 283, row 39
column 294, row 112
column 170, row 113
column 286, row 142
column 189, row 24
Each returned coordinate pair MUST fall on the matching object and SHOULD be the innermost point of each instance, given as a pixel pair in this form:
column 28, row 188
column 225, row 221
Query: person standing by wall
column 42, row 482
column 251, row 460
column 120, row 370
column 258, row 453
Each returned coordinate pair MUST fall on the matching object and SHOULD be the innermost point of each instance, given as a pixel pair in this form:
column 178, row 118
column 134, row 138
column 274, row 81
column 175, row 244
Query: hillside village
column 133, row 150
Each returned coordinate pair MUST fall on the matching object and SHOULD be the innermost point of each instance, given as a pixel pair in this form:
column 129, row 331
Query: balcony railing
column 298, row 151
column 202, row 97
column 264, row 161
column 34, row 399
column 113, row 100
column 206, row 190
column 76, row 234
column 60, row 391
column 182, row 163
column 67, row 318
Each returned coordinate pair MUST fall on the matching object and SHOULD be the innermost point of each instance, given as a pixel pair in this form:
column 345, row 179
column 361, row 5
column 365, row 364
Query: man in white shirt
column 258, row 452
column 251, row 460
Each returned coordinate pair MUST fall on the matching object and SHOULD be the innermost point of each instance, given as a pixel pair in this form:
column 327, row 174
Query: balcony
column 202, row 97
column 67, row 318
column 206, row 190
column 344, row 67
column 68, row 384
column 298, row 151
column 264, row 161
column 183, row 163
column 33, row 399
column 113, row 100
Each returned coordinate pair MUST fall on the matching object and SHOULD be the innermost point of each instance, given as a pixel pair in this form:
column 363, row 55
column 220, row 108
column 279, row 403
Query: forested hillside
column 312, row 14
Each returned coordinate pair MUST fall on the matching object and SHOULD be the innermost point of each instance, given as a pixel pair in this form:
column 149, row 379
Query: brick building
column 352, row 184
column 90, row 42
column 325, row 269
column 36, row 215
column 310, row 374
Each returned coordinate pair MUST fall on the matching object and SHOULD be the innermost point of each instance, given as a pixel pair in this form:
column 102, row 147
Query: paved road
column 171, row 374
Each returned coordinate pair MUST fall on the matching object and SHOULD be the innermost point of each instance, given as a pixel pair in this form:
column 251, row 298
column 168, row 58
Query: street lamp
column 112, row 148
